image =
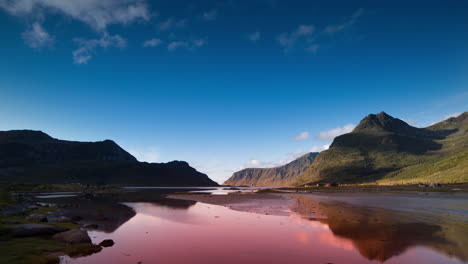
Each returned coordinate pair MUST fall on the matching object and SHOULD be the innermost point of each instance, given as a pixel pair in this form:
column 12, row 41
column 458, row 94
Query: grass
column 5, row 198
column 390, row 165
column 35, row 250
column 450, row 169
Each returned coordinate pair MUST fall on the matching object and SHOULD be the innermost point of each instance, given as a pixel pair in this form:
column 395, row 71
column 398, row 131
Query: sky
column 226, row 85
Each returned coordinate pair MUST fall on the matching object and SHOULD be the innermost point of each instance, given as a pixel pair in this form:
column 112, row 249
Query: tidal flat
column 181, row 226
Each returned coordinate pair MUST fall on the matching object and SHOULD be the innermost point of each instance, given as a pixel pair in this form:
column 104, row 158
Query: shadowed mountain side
column 34, row 157
column 379, row 234
column 381, row 146
column 27, row 147
column 279, row 176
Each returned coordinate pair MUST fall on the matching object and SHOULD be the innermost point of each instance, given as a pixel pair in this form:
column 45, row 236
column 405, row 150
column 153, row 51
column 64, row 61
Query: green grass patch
column 36, row 250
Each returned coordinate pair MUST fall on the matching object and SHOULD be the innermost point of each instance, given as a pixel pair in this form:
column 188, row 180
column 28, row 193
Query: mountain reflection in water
column 380, row 234
column 169, row 231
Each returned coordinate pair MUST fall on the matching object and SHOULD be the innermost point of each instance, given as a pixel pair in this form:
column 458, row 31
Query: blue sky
column 227, row 84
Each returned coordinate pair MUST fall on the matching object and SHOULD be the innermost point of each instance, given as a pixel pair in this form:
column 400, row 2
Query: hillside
column 34, row 157
column 278, row 176
column 387, row 150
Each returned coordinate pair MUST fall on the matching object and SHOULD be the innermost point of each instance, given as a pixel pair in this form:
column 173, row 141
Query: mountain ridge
column 381, row 146
column 35, row 157
column 381, row 149
column 273, row 177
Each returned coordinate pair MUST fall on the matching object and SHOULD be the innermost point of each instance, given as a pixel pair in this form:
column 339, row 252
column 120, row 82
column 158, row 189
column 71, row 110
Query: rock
column 422, row 185
column 91, row 226
column 63, row 219
column 435, row 185
column 76, row 218
column 107, row 243
column 27, row 230
column 74, row 236
column 9, row 210
column 32, row 207
column 36, row 218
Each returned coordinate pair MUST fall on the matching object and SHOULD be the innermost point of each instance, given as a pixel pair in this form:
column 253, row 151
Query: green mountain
column 279, row 176
column 28, row 156
column 387, row 150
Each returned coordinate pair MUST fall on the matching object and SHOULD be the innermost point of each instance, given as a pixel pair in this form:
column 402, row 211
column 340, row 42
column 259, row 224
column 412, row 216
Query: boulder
column 91, row 226
column 36, row 218
column 9, row 210
column 73, row 237
column 27, row 230
column 107, row 243
column 63, row 219
column 32, row 207
column 76, row 218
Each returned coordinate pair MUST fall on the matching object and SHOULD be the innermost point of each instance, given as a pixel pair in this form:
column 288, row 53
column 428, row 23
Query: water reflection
column 316, row 232
column 380, row 234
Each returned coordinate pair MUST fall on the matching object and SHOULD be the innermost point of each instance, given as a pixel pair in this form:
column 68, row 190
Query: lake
column 313, row 231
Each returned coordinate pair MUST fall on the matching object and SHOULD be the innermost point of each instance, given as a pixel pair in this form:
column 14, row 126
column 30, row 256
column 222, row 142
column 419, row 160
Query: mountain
column 35, row 157
column 279, row 176
column 387, row 150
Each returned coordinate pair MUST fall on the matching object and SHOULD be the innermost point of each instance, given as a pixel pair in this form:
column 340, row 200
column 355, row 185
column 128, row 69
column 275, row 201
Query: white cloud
column 452, row 115
column 98, row 14
column 333, row 29
column 171, row 23
column 152, row 42
column 255, row 36
column 199, row 43
column 172, row 46
column 302, row 136
column 331, row 134
column 288, row 39
column 210, row 15
column 313, row 48
column 36, row 37
column 87, row 47
column 151, row 154
column 189, row 45
column 307, row 37
column 319, row 148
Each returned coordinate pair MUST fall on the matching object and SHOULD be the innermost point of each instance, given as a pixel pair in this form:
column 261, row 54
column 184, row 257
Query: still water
column 204, row 233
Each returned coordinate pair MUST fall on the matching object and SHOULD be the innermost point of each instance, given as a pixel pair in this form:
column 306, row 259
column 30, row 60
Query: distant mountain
column 388, row 150
column 280, row 176
column 35, row 157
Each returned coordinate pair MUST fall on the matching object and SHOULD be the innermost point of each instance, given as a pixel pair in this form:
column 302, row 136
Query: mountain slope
column 35, row 157
column 278, row 176
column 384, row 149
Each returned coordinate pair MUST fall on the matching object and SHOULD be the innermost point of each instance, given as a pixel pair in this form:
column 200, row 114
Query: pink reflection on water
column 213, row 234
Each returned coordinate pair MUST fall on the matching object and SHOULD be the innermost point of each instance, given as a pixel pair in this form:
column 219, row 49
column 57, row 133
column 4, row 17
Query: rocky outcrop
column 74, row 236
column 107, row 243
column 36, row 218
column 28, row 230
